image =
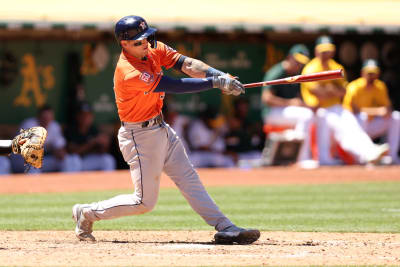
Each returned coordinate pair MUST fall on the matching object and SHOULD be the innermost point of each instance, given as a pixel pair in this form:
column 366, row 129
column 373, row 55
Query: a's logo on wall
column 146, row 77
column 35, row 77
column 95, row 58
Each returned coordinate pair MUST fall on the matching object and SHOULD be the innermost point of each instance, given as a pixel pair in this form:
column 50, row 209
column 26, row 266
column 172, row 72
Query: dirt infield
column 195, row 248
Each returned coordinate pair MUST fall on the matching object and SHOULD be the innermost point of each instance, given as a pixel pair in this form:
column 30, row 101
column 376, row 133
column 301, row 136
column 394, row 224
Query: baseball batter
column 332, row 118
column 147, row 143
column 367, row 97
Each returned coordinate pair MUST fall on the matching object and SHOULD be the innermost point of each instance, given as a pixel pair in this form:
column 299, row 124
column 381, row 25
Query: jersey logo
column 146, row 77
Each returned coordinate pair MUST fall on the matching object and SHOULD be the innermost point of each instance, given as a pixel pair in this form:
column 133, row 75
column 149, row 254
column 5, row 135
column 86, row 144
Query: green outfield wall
column 52, row 69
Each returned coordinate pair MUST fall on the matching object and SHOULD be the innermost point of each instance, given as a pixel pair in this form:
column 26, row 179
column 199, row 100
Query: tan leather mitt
column 30, row 144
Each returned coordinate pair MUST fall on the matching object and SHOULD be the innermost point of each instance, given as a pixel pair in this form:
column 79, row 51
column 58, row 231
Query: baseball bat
column 312, row 77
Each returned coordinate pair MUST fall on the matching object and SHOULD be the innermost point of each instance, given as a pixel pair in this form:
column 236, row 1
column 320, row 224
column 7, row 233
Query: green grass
column 359, row 207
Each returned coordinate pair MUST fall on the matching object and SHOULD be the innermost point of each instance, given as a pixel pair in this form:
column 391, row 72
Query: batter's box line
column 154, row 242
column 174, row 242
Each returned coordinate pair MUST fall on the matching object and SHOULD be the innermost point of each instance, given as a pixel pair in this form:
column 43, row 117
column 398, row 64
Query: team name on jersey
column 146, row 77
column 149, row 78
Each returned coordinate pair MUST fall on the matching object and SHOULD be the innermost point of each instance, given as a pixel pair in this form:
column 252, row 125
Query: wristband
column 213, row 72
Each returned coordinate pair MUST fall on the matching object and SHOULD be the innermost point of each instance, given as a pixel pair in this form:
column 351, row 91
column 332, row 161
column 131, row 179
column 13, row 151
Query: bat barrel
column 324, row 75
column 318, row 76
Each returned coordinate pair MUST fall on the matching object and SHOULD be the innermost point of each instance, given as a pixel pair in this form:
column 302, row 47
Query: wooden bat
column 312, row 77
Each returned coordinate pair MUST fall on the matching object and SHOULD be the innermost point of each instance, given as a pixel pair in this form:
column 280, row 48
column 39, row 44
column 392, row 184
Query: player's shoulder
column 358, row 81
column 335, row 65
column 356, row 85
column 311, row 66
column 275, row 72
column 380, row 84
column 162, row 47
column 124, row 68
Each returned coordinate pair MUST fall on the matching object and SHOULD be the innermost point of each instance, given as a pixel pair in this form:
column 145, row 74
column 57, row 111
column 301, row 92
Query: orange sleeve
column 141, row 80
column 168, row 55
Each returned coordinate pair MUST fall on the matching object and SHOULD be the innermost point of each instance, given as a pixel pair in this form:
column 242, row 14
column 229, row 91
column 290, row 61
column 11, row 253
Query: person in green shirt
column 282, row 104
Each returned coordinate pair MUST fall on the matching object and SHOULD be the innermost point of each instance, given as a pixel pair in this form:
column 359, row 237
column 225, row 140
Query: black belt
column 153, row 121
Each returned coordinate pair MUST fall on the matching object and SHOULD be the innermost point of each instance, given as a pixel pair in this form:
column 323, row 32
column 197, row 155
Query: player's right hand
column 228, row 85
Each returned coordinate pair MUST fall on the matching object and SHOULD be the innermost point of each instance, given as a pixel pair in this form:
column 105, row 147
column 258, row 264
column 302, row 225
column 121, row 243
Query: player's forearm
column 274, row 101
column 338, row 91
column 328, row 91
column 183, row 85
column 198, row 69
column 378, row 111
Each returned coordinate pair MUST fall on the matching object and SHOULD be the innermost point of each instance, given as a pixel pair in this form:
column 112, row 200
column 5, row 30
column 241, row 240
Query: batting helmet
column 134, row 28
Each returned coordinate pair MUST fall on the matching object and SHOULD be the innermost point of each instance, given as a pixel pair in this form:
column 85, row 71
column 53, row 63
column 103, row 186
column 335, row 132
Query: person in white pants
column 283, row 105
column 207, row 142
column 367, row 97
column 332, row 118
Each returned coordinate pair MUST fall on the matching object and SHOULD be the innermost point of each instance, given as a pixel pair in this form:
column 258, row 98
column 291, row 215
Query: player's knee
column 148, row 203
column 147, row 206
column 363, row 116
column 308, row 115
column 321, row 113
column 396, row 115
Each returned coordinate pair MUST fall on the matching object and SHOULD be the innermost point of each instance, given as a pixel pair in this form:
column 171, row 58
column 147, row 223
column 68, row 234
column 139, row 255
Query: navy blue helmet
column 135, row 28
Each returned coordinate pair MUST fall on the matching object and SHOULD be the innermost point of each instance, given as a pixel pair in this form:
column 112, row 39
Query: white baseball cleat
column 83, row 229
column 377, row 155
column 234, row 234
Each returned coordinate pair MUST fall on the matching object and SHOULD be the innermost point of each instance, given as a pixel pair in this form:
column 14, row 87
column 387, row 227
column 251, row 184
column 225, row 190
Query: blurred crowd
column 336, row 121
column 79, row 146
column 331, row 122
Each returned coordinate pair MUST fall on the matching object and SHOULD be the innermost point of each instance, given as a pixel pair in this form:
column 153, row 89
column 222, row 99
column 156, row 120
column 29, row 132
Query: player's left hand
column 228, row 84
column 30, row 144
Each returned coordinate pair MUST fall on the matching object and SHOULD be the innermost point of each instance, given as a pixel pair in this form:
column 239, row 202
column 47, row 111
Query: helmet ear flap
column 152, row 40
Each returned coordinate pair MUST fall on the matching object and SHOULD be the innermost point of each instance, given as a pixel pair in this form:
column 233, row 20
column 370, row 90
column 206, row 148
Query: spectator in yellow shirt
column 332, row 119
column 367, row 97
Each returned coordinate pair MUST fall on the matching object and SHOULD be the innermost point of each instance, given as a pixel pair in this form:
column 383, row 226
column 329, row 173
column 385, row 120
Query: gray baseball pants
column 149, row 151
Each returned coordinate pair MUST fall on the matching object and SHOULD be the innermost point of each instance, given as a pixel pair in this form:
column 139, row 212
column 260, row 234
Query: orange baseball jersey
column 358, row 95
column 136, row 79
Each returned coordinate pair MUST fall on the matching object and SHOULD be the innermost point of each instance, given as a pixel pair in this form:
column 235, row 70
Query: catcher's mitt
column 29, row 143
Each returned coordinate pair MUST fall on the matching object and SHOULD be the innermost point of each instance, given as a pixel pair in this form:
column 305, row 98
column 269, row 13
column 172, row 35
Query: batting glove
column 228, row 85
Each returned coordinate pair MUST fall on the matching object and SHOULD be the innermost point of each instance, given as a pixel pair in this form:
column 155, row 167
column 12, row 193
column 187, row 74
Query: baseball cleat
column 83, row 229
column 234, row 234
column 379, row 153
